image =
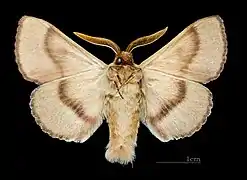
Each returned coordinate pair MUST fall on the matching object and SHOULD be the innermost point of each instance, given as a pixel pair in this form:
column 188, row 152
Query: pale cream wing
column 198, row 53
column 68, row 103
column 70, row 108
column 44, row 53
column 175, row 108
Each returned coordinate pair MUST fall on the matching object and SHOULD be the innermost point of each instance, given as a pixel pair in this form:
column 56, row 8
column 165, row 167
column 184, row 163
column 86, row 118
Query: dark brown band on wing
column 168, row 106
column 56, row 54
column 73, row 104
column 48, row 51
column 188, row 59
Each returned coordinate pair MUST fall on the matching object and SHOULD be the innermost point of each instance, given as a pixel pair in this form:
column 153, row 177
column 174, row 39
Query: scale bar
column 178, row 162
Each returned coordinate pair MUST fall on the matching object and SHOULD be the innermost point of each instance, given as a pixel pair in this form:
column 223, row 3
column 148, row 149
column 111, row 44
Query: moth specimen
column 77, row 91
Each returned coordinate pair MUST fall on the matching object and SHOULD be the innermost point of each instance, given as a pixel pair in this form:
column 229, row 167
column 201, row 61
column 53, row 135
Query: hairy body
column 123, row 111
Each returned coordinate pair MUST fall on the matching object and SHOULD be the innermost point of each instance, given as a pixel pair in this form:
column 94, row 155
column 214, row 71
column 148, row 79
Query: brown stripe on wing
column 56, row 54
column 50, row 32
column 73, row 104
column 168, row 106
column 196, row 46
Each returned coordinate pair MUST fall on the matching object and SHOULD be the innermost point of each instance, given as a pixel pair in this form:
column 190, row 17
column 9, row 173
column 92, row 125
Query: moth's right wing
column 44, row 53
column 68, row 103
column 70, row 108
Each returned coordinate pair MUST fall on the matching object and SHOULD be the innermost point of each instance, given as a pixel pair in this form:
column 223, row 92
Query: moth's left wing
column 176, row 104
column 175, row 108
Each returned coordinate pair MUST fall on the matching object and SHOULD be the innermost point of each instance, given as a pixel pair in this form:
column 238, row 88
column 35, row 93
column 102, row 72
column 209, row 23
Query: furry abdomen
column 123, row 110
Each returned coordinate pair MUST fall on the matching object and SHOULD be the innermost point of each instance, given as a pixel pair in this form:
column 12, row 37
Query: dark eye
column 118, row 61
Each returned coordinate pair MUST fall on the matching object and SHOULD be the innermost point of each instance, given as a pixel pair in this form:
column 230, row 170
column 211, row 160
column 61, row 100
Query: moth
column 77, row 91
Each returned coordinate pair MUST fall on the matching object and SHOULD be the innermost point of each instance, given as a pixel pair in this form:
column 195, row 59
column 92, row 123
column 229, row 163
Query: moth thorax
column 124, row 58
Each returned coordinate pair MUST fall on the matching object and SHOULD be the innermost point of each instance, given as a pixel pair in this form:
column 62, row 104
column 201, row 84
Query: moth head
column 123, row 57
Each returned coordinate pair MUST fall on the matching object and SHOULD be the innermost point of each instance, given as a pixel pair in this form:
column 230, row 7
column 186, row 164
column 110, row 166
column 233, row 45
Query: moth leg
column 118, row 90
column 129, row 79
column 119, row 80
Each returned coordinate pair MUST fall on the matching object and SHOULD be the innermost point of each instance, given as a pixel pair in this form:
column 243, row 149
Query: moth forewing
column 198, row 53
column 44, row 53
